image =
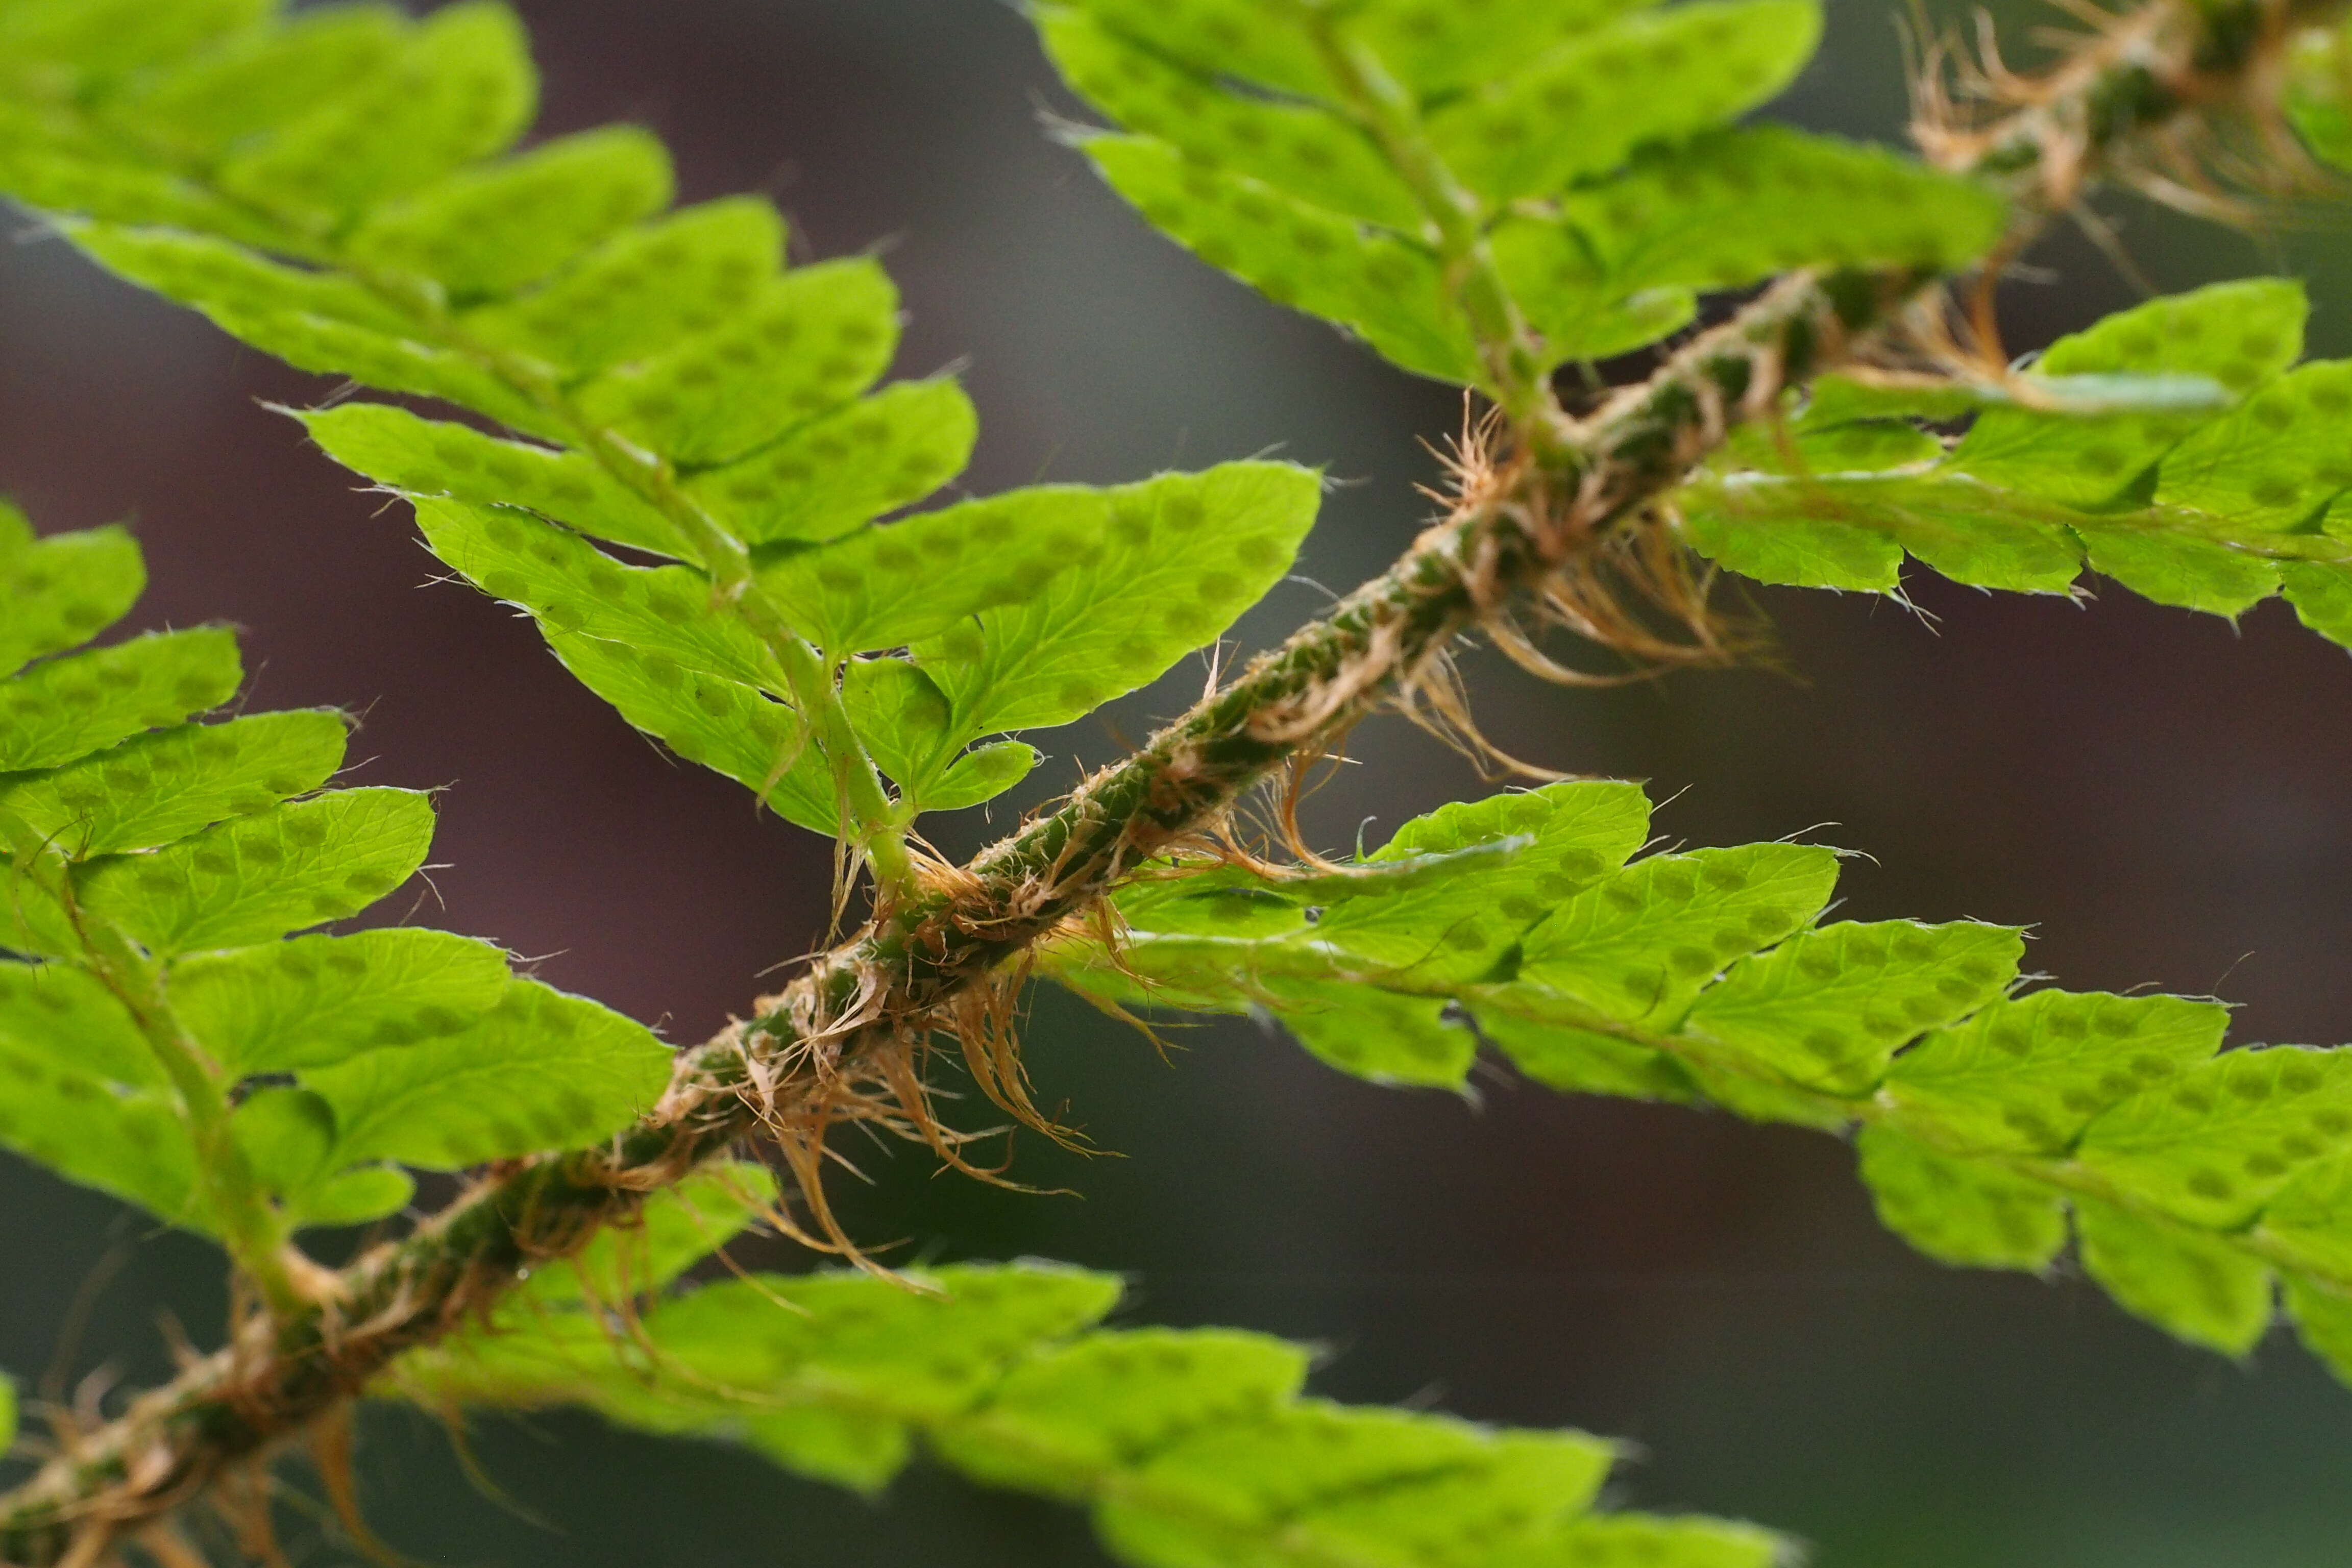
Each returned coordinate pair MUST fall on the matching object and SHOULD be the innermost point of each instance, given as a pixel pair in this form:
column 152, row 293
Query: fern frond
column 1564, row 204
column 164, row 1037
column 2195, row 1180
column 1191, row 1446
column 2211, row 509
column 685, row 395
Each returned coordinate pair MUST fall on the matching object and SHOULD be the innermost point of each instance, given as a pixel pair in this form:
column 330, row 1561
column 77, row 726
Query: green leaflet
column 1644, row 942
column 1374, row 1034
column 807, row 342
column 290, row 1006
column 156, row 788
column 658, row 612
column 1068, row 1414
column 2270, row 463
column 852, row 595
column 844, row 467
column 1457, row 928
column 426, row 457
column 1957, row 1212
column 2310, row 1220
column 679, row 1225
column 1181, row 557
column 643, row 289
column 2130, row 469
column 1329, row 156
column 1735, row 207
column 2214, row 1144
column 7, row 1413
column 1437, row 48
column 2191, row 1179
column 70, row 707
column 2195, row 1287
column 1192, row 1447
column 121, row 1139
column 541, row 1071
column 95, row 39
column 64, row 590
column 256, row 877
column 64, row 1016
column 1582, row 108
column 2029, row 1074
column 1386, row 290
column 1220, row 38
column 490, row 230
column 726, row 727
column 1828, row 1008
column 1306, row 151
column 203, row 107
column 1334, row 1483
column 2241, row 334
column 460, row 87
column 2318, row 89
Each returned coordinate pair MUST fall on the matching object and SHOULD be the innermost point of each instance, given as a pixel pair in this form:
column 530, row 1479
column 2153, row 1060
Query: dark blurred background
column 2168, row 799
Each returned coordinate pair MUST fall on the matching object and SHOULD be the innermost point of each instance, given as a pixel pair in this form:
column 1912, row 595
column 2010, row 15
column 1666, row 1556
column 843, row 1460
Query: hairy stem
column 917, row 958
column 921, row 953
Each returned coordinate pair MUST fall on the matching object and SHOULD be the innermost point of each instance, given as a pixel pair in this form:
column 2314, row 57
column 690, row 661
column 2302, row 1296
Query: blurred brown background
column 2168, row 800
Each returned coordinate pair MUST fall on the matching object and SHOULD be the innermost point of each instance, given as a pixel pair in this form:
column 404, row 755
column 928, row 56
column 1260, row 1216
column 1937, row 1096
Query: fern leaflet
column 2195, row 1180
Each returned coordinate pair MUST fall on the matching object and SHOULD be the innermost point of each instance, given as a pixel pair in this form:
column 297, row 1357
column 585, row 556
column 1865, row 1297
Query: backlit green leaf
column 156, row 788
column 846, row 468
column 1181, row 557
column 1640, row 942
column 1385, row 289
column 1828, row 1007
column 427, row 456
column 2029, row 1074
column 658, row 612
column 70, row 707
column 726, row 727
column 807, row 342
column 2197, row 1287
column 1958, row 1211
column 461, row 88
column 1654, row 76
column 853, row 594
column 255, row 877
column 642, row 290
column 541, row 1071
column 490, row 230
column 63, row 591
column 317, row 1000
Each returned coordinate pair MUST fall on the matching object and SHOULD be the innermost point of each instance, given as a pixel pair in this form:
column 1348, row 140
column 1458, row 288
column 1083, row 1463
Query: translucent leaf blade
column 256, row 877
column 157, row 788
column 846, row 468
column 64, row 590
column 69, row 708
column 490, row 230
column 430, row 456
column 1960, row 1212
column 315, row 1001
column 1181, row 556
column 541, row 1070
column 809, row 341
column 1654, row 76
column 1829, row 1008
column 1643, row 941
column 1384, row 289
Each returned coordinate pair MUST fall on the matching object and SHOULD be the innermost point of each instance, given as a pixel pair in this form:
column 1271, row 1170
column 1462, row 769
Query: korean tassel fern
column 676, row 454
